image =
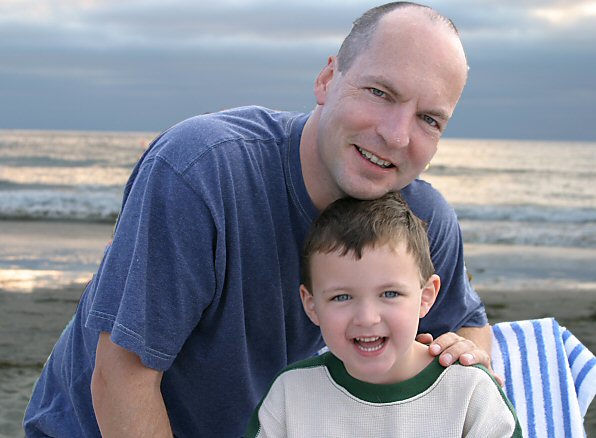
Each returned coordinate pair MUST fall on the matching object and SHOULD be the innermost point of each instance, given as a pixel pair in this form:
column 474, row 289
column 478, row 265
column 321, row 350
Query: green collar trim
column 383, row 393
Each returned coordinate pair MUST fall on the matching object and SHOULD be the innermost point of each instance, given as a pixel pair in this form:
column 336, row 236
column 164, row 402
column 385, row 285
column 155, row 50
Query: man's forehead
column 414, row 25
column 410, row 38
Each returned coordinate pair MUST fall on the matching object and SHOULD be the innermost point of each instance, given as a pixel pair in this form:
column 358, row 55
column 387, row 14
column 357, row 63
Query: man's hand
column 470, row 345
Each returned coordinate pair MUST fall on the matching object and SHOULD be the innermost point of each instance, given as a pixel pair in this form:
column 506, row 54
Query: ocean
column 504, row 191
column 520, row 192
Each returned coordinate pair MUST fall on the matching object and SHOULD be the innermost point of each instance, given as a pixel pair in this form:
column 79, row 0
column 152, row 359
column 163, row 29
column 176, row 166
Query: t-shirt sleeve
column 268, row 420
column 490, row 413
column 457, row 305
column 158, row 275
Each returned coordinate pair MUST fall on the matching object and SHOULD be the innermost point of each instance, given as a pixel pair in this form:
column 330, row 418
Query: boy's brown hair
column 350, row 225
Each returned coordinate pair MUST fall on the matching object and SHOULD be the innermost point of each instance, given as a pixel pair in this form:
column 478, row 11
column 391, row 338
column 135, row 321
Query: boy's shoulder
column 312, row 373
column 479, row 371
column 469, row 375
column 319, row 361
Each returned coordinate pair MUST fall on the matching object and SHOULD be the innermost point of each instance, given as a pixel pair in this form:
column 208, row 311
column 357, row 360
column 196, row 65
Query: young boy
column 367, row 279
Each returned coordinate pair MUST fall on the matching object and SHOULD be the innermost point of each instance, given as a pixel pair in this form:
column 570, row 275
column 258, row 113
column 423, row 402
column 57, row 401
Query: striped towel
column 550, row 377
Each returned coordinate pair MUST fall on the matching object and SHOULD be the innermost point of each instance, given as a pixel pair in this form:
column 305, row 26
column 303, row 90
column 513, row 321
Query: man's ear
column 429, row 294
column 324, row 78
column 308, row 302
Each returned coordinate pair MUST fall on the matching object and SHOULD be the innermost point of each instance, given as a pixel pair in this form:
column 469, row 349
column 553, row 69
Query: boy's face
column 368, row 309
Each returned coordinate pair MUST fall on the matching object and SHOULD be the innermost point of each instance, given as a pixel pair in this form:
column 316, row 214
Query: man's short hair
column 364, row 28
column 349, row 225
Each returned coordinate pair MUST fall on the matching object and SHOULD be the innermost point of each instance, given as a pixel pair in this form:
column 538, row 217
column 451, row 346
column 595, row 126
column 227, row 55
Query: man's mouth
column 384, row 164
column 370, row 344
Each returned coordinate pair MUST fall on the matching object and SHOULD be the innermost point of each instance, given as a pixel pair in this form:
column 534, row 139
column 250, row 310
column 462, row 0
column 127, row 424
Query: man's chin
column 372, row 193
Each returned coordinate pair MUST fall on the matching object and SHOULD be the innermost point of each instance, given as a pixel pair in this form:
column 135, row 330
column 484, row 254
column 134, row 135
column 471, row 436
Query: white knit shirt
column 318, row 398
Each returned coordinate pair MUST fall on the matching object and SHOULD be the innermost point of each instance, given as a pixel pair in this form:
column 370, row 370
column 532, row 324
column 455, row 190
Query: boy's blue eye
column 341, row 297
column 390, row 294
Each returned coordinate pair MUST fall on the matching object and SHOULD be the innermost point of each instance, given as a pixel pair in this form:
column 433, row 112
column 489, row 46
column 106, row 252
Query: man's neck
column 317, row 185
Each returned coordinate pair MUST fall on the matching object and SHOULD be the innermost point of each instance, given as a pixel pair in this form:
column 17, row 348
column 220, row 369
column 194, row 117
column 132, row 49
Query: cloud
column 144, row 64
column 181, row 23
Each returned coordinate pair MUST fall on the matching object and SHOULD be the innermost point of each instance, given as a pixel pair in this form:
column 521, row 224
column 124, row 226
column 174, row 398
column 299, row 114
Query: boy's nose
column 367, row 315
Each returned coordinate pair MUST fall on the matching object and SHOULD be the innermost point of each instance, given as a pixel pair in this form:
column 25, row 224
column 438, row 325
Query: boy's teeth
column 378, row 347
column 373, row 158
column 368, row 344
column 368, row 339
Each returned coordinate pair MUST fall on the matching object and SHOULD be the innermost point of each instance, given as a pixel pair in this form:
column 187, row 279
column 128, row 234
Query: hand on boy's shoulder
column 453, row 347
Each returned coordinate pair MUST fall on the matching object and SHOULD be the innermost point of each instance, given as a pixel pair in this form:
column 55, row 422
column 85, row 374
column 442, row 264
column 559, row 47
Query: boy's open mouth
column 370, row 344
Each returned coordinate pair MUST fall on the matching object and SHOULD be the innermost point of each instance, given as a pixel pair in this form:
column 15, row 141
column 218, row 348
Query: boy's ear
column 323, row 79
column 429, row 294
column 308, row 302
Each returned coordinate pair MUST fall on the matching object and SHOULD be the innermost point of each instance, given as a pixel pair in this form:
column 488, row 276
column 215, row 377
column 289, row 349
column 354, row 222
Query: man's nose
column 396, row 126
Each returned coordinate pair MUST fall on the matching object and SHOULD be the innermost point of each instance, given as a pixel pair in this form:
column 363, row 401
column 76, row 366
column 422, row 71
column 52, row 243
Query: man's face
column 381, row 119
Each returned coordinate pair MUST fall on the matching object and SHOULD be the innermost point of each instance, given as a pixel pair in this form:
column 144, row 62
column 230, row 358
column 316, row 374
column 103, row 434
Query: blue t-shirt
column 201, row 279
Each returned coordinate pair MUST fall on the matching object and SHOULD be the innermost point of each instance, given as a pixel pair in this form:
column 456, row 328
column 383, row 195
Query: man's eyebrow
column 438, row 114
column 384, row 83
column 380, row 80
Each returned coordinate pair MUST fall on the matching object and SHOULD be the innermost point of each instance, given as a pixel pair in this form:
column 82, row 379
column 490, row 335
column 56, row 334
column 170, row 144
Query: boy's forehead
column 379, row 265
column 392, row 244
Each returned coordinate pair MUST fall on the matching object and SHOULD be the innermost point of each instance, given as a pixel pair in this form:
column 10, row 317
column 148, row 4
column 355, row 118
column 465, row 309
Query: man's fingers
column 466, row 352
column 500, row 380
column 424, row 338
column 453, row 347
column 445, row 342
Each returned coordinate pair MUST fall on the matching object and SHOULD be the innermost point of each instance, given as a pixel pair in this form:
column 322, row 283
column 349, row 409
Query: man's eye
column 432, row 122
column 377, row 92
column 390, row 294
column 341, row 297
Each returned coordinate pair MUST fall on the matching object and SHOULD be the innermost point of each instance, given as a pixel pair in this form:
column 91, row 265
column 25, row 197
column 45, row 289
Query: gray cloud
column 143, row 65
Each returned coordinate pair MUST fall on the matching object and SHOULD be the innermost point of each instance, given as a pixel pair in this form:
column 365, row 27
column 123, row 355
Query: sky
column 143, row 65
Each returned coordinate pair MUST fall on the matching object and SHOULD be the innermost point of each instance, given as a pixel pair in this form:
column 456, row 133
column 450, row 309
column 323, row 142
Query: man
column 194, row 308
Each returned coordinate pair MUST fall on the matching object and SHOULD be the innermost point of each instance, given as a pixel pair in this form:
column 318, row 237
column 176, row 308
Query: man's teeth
column 373, row 158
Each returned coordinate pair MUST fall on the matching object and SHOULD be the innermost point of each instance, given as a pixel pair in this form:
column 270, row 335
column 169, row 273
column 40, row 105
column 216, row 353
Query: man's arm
column 126, row 395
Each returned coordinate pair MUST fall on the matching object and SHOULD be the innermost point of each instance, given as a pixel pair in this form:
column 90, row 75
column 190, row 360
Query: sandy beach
column 516, row 283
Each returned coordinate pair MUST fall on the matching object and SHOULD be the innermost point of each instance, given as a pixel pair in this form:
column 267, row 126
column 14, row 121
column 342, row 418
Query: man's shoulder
column 420, row 190
column 246, row 123
column 426, row 201
column 188, row 140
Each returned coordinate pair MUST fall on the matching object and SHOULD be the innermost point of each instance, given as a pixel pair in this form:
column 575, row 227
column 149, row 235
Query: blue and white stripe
column 550, row 377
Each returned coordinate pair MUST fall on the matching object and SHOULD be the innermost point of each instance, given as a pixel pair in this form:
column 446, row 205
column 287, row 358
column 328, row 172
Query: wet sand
column 32, row 318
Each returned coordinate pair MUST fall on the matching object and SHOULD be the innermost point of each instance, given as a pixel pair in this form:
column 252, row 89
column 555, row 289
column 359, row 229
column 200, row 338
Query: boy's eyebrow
column 391, row 285
column 335, row 289
column 394, row 285
column 384, row 83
